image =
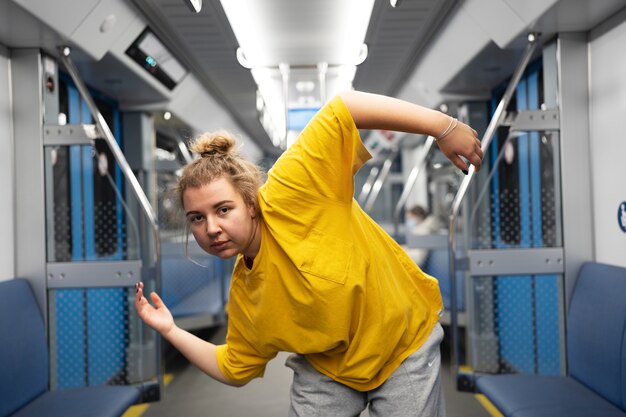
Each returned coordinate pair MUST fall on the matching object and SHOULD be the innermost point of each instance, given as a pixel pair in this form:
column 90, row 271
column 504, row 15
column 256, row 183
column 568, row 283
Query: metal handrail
column 411, row 181
column 115, row 149
column 497, row 119
column 382, row 176
column 367, row 186
column 124, row 166
column 182, row 148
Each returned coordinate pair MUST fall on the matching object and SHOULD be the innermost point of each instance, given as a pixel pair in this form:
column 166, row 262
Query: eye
column 223, row 210
column 195, row 218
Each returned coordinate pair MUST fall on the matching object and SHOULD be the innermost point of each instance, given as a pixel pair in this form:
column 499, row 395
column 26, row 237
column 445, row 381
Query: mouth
column 219, row 245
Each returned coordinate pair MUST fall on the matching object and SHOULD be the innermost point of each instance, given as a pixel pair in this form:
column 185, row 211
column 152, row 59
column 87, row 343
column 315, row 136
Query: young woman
column 315, row 275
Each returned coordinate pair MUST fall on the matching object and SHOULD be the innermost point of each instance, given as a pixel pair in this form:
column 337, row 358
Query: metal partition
column 96, row 254
column 510, row 251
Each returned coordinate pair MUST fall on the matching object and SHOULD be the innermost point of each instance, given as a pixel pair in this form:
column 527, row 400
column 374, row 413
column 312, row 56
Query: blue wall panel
column 107, row 341
column 70, row 338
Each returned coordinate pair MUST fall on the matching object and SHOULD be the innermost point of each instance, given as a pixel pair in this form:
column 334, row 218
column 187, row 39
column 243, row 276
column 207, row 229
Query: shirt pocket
column 327, row 257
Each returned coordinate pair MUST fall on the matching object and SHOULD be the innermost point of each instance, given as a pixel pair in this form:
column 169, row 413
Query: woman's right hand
column 158, row 317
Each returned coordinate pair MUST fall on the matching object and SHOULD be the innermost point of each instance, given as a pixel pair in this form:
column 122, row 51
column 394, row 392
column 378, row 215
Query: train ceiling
column 206, row 43
column 399, row 60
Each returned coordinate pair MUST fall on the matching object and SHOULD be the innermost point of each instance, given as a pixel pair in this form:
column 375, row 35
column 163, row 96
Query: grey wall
column 7, row 200
column 607, row 102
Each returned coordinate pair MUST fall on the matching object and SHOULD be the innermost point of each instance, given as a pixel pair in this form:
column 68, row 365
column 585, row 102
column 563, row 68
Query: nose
column 213, row 228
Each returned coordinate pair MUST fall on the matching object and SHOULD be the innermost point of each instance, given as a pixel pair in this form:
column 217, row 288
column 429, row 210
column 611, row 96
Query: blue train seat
column 189, row 289
column 437, row 264
column 596, row 356
column 24, row 367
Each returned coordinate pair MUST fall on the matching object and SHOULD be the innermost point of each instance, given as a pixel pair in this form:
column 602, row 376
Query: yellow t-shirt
column 327, row 282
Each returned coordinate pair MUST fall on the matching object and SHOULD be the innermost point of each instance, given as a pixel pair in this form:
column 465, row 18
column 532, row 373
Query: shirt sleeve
column 239, row 359
column 325, row 157
column 240, row 367
column 246, row 352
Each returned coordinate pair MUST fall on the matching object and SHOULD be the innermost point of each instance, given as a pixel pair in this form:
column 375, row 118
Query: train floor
column 191, row 393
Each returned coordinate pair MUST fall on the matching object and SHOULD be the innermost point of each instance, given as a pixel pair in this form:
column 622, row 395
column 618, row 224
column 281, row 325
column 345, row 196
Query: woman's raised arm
column 454, row 138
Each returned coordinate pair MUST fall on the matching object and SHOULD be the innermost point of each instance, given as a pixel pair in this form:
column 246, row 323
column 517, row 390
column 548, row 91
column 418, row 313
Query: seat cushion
column 544, row 396
column 97, row 401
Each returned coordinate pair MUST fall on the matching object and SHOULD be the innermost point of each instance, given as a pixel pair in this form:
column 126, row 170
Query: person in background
column 314, row 274
column 420, row 222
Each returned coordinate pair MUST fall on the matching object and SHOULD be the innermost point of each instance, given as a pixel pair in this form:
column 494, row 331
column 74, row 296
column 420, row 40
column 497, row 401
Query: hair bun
column 214, row 143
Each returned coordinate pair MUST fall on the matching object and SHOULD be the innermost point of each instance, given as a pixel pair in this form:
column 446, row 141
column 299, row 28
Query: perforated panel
column 517, row 324
column 516, row 319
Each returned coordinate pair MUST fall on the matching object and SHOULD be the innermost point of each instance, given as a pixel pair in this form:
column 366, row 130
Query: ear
column 252, row 211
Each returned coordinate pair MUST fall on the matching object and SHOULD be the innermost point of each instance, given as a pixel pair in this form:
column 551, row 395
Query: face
column 221, row 222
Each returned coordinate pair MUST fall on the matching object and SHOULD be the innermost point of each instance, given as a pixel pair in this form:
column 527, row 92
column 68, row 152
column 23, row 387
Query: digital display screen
column 149, row 52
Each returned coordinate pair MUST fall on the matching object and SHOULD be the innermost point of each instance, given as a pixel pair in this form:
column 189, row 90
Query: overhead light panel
column 296, row 70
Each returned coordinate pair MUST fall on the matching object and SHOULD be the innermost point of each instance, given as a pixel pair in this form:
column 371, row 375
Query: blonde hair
column 221, row 159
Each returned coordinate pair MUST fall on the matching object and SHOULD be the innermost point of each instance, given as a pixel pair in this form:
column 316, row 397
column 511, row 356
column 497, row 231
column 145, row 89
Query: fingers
column 476, row 161
column 140, row 300
column 474, row 156
column 158, row 303
column 463, row 146
column 458, row 162
column 477, row 158
column 138, row 293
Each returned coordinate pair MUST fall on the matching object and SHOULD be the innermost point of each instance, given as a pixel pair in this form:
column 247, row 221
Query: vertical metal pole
column 378, row 184
column 411, row 181
column 367, row 186
column 322, row 70
column 184, row 151
column 284, row 72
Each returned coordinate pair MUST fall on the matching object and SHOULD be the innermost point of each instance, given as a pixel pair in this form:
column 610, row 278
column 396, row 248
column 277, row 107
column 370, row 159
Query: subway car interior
column 99, row 100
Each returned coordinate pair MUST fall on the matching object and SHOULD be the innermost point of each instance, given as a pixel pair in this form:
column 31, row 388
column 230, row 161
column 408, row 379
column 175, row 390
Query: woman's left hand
column 462, row 142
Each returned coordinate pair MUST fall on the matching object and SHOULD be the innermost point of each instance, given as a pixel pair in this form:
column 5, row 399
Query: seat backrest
column 596, row 331
column 180, row 277
column 23, row 350
column 438, row 265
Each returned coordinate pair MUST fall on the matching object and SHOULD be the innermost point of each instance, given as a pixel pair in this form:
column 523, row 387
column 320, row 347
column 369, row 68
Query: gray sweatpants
column 414, row 389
